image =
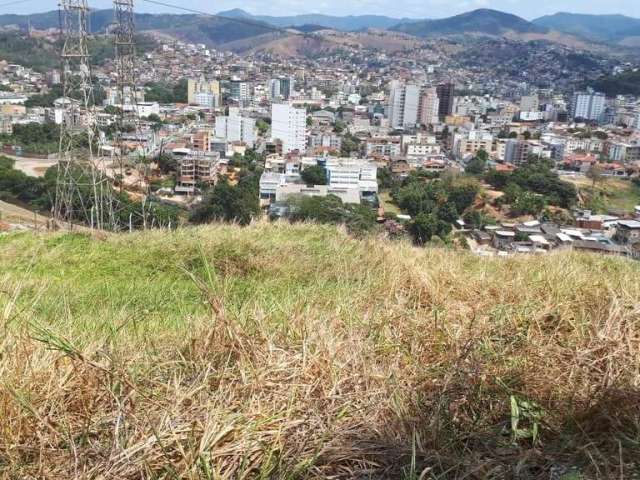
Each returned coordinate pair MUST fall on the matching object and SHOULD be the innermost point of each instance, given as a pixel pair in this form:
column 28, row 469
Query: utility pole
column 82, row 184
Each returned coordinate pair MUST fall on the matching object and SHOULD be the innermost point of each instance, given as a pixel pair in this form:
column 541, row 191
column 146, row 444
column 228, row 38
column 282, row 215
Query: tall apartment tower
column 588, row 105
column 445, row 92
column 429, row 107
column 403, row 105
column 289, row 124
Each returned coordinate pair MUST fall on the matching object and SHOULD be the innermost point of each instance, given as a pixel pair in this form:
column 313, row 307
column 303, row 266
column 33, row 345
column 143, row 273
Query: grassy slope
column 297, row 352
column 608, row 194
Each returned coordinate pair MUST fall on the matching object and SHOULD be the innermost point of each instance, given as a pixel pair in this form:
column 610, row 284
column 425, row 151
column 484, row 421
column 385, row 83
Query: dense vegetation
column 15, row 186
column 163, row 92
column 358, row 219
column 533, row 184
column 28, row 52
column 39, row 138
column 230, row 203
column 294, row 351
column 434, row 203
column 42, row 55
column 39, row 194
column 626, row 83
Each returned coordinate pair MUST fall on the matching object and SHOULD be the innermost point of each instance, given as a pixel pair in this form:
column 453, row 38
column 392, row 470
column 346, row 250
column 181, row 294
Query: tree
column 427, row 225
column 358, row 219
column 385, row 178
column 112, row 110
column 167, row 163
column 154, row 117
column 350, row 144
column 462, row 193
column 314, row 175
column 527, row 203
column 497, row 179
column 230, row 203
column 448, row 212
column 478, row 164
column 263, row 127
column 594, row 174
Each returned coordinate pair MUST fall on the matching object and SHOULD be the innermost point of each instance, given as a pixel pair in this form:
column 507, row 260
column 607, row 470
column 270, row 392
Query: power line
column 252, row 23
column 16, row 2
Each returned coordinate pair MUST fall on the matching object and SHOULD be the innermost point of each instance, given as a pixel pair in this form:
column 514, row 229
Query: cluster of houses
column 595, row 233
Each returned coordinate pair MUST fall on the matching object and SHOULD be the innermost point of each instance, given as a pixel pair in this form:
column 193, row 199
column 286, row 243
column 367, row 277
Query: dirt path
column 35, row 167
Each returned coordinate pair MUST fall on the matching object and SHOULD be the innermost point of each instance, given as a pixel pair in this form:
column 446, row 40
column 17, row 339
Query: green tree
column 314, row 175
column 112, row 110
column 476, row 166
column 426, row 225
column 230, row 203
column 263, row 126
column 358, row 219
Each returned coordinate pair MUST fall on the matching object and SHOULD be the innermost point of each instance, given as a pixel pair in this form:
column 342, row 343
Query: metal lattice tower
column 83, row 190
column 125, row 63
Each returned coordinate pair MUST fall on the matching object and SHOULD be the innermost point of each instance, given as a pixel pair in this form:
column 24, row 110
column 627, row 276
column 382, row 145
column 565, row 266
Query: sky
column 528, row 9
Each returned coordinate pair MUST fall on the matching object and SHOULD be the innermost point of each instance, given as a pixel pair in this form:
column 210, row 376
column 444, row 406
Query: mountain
column 190, row 27
column 603, row 28
column 485, row 21
column 348, row 23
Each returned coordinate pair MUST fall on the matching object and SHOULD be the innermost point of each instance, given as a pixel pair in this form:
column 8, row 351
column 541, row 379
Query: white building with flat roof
column 236, row 128
column 289, row 124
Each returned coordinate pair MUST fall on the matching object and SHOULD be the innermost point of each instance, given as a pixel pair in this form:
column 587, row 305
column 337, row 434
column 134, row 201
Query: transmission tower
column 83, row 189
column 125, row 51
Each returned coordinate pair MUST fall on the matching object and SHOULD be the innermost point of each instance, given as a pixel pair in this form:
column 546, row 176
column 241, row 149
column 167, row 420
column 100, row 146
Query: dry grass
column 296, row 352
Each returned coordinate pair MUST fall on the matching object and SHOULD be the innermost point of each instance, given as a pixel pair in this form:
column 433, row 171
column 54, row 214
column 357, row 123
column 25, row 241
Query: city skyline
column 527, row 9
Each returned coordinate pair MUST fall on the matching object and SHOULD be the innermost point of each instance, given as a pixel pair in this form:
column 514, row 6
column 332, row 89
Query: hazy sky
column 398, row 8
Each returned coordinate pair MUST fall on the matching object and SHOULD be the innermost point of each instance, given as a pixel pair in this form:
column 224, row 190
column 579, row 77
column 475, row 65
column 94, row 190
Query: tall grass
column 297, row 352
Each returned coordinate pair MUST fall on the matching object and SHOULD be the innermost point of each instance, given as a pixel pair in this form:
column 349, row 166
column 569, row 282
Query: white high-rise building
column 236, row 128
column 588, row 106
column 289, row 124
column 403, row 105
column 429, row 107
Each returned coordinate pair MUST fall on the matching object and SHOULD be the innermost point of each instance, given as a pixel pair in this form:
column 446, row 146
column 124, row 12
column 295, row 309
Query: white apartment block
column 236, row 128
column 289, row 125
column 588, row 106
column 403, row 105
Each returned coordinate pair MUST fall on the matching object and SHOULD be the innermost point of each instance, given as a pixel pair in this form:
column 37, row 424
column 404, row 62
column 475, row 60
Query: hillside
column 626, row 83
column 485, row 21
column 280, row 351
column 603, row 28
column 347, row 23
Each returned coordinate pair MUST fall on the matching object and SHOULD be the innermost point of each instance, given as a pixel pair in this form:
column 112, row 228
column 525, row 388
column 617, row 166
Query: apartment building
column 289, row 125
